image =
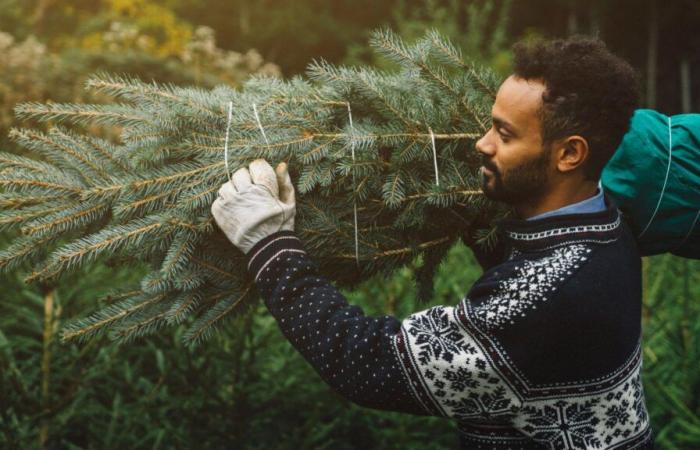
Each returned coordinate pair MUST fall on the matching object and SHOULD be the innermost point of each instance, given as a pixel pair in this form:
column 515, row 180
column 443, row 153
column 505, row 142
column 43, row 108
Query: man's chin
column 489, row 189
column 493, row 188
column 494, row 193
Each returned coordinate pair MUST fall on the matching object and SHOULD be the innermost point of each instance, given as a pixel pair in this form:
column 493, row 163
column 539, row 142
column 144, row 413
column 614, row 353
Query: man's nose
column 484, row 146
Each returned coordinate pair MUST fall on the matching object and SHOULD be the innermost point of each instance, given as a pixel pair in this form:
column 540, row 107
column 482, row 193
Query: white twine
column 352, row 148
column 262, row 130
column 663, row 189
column 228, row 126
column 432, row 139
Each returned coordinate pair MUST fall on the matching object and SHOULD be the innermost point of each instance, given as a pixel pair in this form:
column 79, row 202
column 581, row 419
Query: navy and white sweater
column 544, row 351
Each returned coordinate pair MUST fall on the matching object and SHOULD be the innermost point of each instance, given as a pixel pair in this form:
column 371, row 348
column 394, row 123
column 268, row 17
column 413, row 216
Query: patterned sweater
column 543, row 352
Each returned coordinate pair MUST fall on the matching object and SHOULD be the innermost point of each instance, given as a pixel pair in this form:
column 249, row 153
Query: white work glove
column 255, row 204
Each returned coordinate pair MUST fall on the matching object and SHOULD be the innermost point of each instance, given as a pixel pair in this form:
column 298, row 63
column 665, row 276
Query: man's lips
column 486, row 171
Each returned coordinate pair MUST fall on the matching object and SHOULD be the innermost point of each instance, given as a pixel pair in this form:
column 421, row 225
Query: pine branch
column 69, row 220
column 109, row 153
column 148, row 196
column 393, row 190
column 189, row 280
column 19, row 217
column 97, row 323
column 182, row 306
column 389, row 45
column 448, row 53
column 111, row 240
column 137, row 92
column 38, row 184
column 78, row 114
column 179, row 254
column 204, row 326
column 12, row 161
column 22, row 251
column 10, row 202
column 141, row 324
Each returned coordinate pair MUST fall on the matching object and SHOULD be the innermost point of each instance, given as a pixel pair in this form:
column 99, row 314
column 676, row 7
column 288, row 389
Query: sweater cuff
column 265, row 250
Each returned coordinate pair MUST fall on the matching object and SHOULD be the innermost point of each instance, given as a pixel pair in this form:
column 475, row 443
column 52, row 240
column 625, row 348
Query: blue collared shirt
column 592, row 204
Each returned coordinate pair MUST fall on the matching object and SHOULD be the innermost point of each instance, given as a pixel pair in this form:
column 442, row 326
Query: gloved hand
column 255, row 204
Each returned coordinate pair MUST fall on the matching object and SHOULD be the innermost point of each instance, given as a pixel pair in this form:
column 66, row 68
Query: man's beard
column 525, row 183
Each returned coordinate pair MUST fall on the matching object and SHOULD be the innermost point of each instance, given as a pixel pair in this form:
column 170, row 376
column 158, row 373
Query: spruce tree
column 358, row 141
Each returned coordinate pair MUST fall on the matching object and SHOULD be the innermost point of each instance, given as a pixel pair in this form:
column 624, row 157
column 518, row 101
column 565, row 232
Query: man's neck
column 557, row 199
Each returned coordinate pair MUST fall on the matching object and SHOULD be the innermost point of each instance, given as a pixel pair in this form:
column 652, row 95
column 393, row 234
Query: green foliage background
column 247, row 388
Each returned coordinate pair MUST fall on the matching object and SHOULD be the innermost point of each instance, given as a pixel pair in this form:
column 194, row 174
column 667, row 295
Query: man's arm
column 429, row 364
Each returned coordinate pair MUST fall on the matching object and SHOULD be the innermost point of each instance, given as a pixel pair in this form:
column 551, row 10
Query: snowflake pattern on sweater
column 463, row 381
column 452, row 367
column 606, row 419
column 531, row 283
column 539, row 353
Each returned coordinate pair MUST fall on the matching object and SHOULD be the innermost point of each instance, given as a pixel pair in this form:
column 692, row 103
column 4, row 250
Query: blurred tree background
column 247, row 388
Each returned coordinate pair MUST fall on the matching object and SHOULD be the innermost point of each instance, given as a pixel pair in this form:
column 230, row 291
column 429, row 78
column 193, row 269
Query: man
column 544, row 350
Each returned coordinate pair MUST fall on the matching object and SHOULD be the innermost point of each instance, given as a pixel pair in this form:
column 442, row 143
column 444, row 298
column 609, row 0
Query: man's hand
column 256, row 203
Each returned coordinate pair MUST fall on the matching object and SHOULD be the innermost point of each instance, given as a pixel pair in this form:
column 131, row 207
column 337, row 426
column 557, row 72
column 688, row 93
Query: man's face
column 515, row 164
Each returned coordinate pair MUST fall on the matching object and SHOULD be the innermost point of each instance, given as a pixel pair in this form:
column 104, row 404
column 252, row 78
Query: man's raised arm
column 427, row 364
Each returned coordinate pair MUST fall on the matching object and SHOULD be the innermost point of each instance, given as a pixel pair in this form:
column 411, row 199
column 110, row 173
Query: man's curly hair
column 588, row 92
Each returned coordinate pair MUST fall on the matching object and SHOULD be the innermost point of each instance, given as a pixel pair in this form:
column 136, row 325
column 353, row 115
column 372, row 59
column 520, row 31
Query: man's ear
column 571, row 152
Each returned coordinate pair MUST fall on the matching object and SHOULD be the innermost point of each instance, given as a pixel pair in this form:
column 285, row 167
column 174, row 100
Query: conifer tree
column 358, row 142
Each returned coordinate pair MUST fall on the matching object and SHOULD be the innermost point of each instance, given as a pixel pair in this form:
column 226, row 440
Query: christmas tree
column 383, row 164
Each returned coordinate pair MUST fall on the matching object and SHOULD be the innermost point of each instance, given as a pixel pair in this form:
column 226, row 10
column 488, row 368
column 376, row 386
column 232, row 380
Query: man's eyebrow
column 504, row 124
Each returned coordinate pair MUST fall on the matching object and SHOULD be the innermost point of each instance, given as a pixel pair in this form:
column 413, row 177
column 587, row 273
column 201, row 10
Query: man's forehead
column 518, row 102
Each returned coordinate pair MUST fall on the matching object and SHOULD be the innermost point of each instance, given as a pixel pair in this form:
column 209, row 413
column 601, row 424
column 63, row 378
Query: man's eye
column 504, row 137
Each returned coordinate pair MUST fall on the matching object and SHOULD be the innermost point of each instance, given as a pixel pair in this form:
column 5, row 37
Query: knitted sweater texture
column 543, row 352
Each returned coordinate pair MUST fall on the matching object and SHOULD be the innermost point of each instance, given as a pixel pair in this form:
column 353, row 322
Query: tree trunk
column 686, row 107
column 244, row 18
column 652, row 56
column 572, row 20
column 39, row 15
column 594, row 25
column 685, row 86
column 652, row 53
column 46, row 367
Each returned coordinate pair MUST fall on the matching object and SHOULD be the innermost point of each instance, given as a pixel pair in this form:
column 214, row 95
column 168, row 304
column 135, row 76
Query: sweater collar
column 591, row 204
column 548, row 232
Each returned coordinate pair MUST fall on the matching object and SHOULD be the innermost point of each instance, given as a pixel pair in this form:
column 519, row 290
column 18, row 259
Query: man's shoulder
column 585, row 271
column 563, row 312
column 606, row 233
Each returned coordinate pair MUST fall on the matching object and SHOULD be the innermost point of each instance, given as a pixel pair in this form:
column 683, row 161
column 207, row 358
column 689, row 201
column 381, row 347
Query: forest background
column 246, row 387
